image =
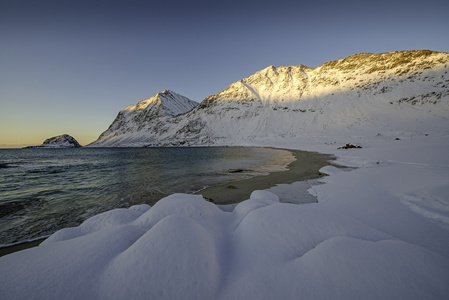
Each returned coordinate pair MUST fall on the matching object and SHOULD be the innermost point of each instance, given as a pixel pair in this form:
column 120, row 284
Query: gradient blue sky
column 71, row 66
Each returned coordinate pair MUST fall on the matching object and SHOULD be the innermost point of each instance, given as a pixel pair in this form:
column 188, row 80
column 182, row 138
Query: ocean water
column 43, row 190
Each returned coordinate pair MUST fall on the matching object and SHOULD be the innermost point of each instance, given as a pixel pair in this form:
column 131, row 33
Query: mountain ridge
column 365, row 93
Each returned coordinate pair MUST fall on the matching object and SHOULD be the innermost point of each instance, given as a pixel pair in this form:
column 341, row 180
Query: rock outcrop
column 60, row 141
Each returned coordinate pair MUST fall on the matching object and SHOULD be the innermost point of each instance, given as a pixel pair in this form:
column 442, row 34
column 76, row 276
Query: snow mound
column 187, row 248
column 329, row 170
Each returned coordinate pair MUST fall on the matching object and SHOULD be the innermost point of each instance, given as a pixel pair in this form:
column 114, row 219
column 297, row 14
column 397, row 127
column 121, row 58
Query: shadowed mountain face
column 366, row 94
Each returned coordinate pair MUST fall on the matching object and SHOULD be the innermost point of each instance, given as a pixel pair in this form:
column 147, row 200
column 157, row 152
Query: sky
column 71, row 66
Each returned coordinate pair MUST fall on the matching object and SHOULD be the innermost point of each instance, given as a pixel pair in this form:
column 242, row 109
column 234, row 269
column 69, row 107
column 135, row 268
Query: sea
column 43, row 190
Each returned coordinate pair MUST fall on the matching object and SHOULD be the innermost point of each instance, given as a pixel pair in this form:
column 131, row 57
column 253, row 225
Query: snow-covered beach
column 378, row 231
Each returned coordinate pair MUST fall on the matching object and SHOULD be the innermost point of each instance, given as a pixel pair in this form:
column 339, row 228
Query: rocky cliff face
column 364, row 94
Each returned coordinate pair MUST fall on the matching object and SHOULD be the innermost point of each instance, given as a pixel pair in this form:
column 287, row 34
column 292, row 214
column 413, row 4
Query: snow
column 379, row 231
column 380, row 228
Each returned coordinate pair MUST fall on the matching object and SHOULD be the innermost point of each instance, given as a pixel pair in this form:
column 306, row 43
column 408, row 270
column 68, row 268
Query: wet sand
column 306, row 166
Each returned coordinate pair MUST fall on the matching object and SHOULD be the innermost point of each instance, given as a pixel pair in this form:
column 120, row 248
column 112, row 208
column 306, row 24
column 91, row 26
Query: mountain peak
column 158, row 99
column 170, row 102
column 165, row 92
column 147, row 115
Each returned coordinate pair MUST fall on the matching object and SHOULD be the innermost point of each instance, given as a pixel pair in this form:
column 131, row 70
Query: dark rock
column 236, row 171
column 349, row 146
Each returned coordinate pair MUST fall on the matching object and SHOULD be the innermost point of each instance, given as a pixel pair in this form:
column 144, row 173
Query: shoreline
column 21, row 246
column 305, row 166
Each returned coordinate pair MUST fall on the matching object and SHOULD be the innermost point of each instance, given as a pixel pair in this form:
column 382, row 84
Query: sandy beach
column 306, row 166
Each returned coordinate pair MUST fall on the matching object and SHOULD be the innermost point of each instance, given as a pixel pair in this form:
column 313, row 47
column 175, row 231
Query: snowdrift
column 380, row 231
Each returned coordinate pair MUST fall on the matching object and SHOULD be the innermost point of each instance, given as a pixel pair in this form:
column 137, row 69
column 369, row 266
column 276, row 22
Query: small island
column 60, row 141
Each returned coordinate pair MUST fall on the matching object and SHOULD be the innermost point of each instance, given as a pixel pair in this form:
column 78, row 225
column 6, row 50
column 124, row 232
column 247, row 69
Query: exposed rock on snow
column 60, row 141
column 389, row 93
column 350, row 146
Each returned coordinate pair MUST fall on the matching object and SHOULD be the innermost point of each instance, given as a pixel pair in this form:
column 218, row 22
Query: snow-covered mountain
column 393, row 94
column 60, row 141
column 142, row 123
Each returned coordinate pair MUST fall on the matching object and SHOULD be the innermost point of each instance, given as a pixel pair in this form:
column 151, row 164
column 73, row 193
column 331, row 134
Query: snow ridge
column 402, row 92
